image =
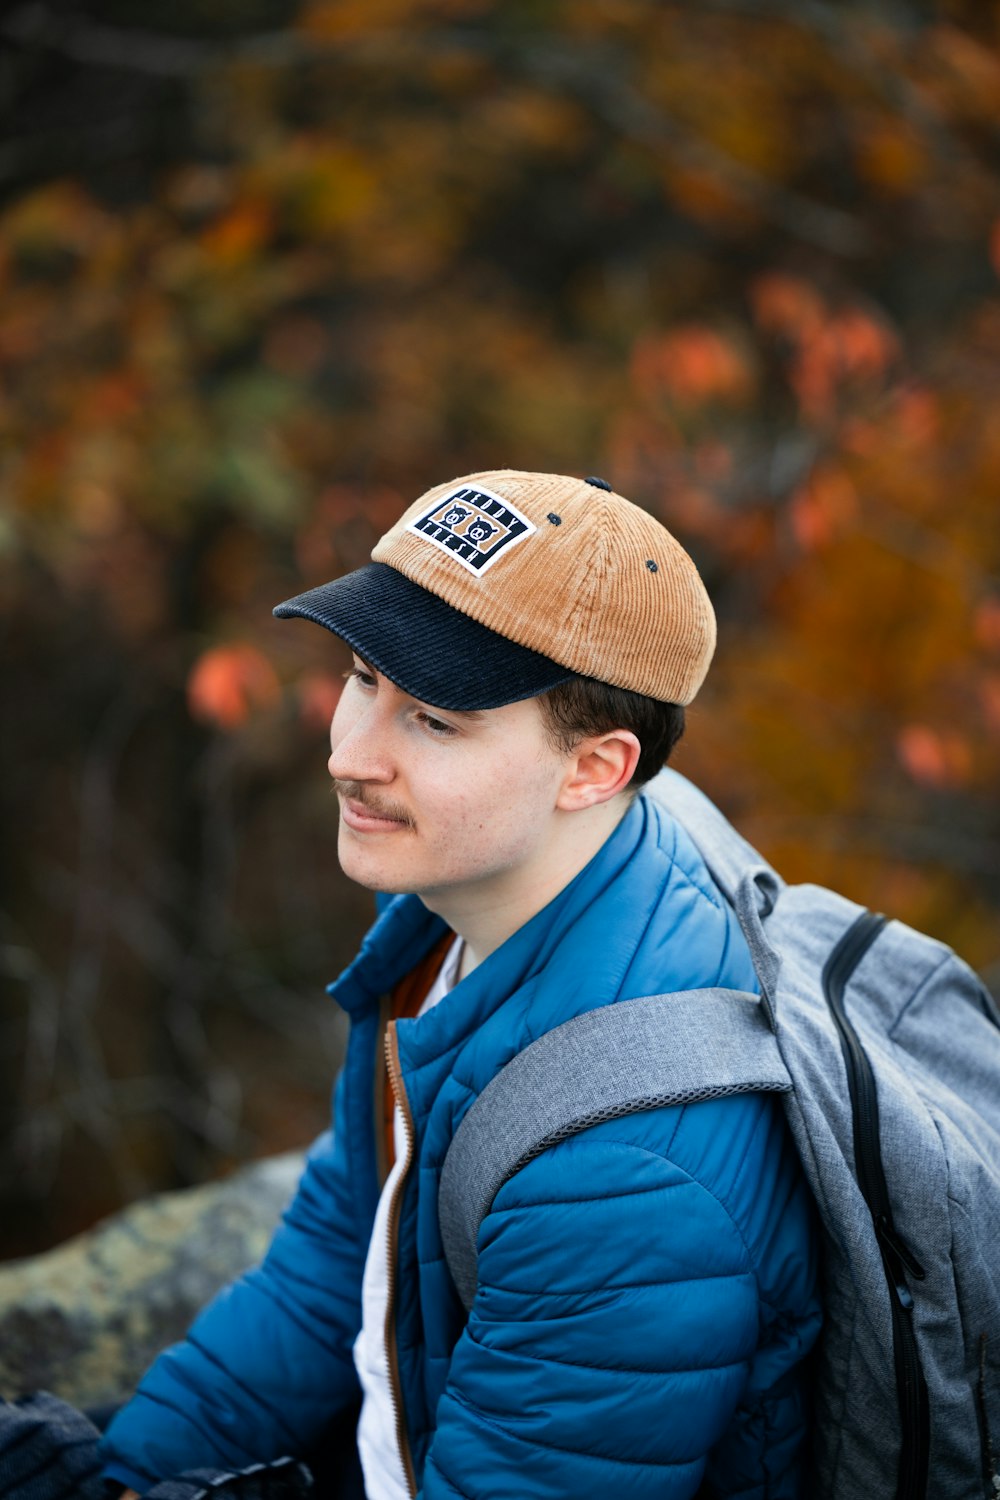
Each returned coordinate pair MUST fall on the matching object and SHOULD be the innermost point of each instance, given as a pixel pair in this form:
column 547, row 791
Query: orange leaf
column 864, row 345
column 934, row 758
column 786, row 305
column 822, row 509
column 987, row 624
column 227, row 683
column 917, row 416
column 239, row 233
column 692, row 364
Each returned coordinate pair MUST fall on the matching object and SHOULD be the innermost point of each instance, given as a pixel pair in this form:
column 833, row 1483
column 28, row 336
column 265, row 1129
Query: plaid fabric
column 48, row 1451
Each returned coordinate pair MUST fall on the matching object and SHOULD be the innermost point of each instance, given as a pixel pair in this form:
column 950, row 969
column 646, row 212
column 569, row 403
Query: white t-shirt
column 385, row 1478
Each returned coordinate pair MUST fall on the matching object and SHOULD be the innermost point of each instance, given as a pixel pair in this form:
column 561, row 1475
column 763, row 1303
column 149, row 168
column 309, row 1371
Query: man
column 524, row 648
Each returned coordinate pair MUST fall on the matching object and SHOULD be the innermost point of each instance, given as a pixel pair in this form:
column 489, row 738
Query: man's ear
column 601, row 766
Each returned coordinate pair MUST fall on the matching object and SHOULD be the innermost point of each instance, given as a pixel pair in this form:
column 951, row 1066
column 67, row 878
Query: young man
column 524, row 646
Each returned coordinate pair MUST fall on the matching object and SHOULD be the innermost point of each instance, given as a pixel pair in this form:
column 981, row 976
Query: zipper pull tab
column 900, row 1257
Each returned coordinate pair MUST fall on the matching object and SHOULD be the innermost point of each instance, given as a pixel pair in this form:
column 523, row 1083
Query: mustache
column 358, row 791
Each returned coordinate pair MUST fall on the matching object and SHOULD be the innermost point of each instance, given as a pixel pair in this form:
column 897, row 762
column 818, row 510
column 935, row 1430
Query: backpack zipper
column 897, row 1257
column 395, row 1206
column 991, row 1470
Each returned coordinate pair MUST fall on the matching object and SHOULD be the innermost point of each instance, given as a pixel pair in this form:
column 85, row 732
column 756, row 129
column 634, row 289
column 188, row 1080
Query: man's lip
column 361, row 818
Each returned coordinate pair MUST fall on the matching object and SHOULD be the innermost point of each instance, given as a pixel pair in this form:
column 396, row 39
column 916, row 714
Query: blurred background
column 269, row 270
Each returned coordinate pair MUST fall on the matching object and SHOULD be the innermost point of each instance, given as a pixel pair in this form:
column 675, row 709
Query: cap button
column 599, row 484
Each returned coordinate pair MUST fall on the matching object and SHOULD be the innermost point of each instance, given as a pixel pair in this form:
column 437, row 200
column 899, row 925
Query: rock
column 84, row 1320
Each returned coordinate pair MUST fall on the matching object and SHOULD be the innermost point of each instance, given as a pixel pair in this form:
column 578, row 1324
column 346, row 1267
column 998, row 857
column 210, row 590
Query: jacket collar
column 403, row 935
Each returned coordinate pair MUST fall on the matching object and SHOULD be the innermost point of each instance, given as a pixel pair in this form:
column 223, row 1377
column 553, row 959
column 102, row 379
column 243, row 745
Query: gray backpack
column 886, row 1050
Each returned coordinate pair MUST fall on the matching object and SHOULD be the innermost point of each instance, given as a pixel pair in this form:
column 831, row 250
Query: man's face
column 433, row 800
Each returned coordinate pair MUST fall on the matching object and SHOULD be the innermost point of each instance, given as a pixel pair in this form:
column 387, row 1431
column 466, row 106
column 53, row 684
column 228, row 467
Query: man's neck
column 486, row 919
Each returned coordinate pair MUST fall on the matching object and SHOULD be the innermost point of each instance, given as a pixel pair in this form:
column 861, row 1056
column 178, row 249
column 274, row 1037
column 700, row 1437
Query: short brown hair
column 582, row 706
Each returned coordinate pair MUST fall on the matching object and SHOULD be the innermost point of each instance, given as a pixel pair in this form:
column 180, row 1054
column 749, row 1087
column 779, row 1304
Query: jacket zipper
column 897, row 1257
column 378, row 1095
column 395, row 1205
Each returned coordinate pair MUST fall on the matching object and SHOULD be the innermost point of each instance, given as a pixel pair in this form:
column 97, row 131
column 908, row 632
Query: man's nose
column 361, row 752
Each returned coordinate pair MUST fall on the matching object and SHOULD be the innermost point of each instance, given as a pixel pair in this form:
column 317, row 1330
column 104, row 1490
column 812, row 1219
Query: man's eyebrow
column 469, row 715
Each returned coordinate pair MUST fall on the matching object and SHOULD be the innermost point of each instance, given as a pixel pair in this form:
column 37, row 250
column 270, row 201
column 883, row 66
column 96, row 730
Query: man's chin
column 373, row 881
column 378, row 881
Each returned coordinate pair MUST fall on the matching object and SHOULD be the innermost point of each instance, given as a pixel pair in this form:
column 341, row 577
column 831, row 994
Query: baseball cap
column 500, row 585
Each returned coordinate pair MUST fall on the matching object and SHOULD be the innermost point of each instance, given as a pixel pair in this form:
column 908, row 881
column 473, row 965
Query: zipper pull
column 891, row 1237
column 900, row 1258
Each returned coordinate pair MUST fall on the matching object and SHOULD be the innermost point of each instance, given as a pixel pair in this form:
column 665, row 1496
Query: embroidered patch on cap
column 473, row 526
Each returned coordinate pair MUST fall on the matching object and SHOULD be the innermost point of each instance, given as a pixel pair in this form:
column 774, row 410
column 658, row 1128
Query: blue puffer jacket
column 647, row 1289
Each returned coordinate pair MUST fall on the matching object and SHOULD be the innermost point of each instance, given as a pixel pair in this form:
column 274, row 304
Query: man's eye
column 360, row 674
column 436, row 726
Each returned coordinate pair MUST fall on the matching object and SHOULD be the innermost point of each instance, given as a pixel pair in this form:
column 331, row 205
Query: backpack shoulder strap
column 727, row 853
column 746, row 880
column 634, row 1055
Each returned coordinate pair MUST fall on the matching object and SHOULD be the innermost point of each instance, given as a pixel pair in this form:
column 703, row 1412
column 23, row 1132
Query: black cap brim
column 422, row 644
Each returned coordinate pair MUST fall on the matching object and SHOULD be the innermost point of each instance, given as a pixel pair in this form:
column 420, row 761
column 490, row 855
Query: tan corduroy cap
column 566, row 569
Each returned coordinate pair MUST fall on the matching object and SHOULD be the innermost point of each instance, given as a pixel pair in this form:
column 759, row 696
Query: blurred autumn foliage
column 269, row 270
